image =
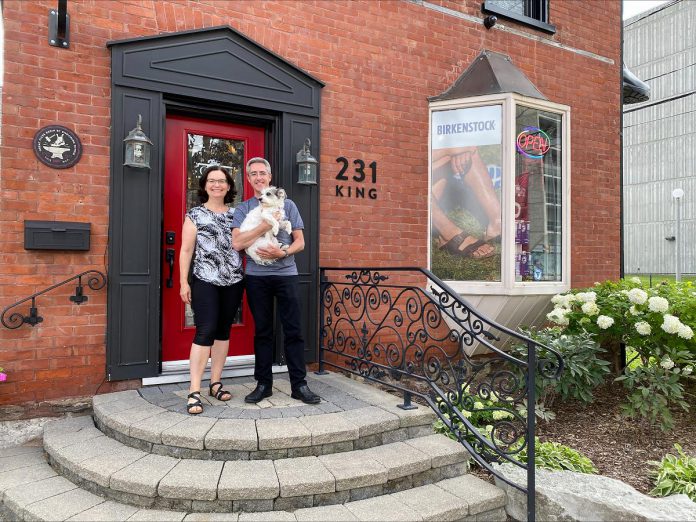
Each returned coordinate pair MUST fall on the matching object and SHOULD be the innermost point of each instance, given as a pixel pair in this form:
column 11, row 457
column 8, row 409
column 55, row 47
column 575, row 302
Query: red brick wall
column 379, row 60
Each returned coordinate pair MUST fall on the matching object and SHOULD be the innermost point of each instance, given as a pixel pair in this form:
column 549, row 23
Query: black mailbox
column 56, row 235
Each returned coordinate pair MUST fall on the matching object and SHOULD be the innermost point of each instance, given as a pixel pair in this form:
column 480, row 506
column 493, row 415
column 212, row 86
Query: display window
column 499, row 187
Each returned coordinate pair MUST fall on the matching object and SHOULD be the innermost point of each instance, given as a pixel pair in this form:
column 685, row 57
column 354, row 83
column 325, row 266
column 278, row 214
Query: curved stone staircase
column 355, row 456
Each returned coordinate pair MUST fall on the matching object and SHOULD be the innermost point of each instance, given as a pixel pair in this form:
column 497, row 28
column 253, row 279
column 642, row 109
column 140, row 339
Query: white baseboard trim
column 178, row 371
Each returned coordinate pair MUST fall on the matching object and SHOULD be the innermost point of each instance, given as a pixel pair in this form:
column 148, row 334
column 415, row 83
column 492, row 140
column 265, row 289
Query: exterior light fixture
column 137, row 147
column 307, row 165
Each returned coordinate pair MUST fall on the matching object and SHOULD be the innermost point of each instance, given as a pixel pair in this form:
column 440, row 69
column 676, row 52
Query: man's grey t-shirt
column 282, row 267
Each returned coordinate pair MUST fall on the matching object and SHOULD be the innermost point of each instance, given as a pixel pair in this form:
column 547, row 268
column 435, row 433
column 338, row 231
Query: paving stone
column 400, row 484
column 18, row 497
column 123, row 420
column 252, row 506
column 334, row 447
column 330, row 427
column 156, row 515
column 59, row 438
column 192, row 479
column 282, row 433
column 126, row 395
column 231, row 413
column 366, row 492
column 248, row 479
column 400, row 459
column 270, row 413
column 337, row 513
column 293, row 412
column 382, row 509
column 151, row 428
column 433, row 503
column 70, row 456
column 111, row 408
column 212, row 517
column 21, row 461
column 356, row 471
column 62, row 506
column 307, row 451
column 441, row 449
column 250, row 414
column 143, row 476
column 213, row 412
column 189, row 433
column 13, row 451
column 495, row 515
column 479, row 494
column 371, row 420
column 100, row 468
column 337, row 497
column 293, row 503
column 303, row 476
column 106, row 511
column 329, row 407
column 28, row 475
column 267, row 516
column 232, row 434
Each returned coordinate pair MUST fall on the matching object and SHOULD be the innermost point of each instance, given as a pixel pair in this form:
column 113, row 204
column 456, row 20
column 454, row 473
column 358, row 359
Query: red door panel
column 191, row 145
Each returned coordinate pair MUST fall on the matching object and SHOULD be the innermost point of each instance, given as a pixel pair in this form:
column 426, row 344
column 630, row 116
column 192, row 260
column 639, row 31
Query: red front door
column 191, row 145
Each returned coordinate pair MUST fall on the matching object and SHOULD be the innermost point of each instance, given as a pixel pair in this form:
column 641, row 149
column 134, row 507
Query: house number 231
column 359, row 174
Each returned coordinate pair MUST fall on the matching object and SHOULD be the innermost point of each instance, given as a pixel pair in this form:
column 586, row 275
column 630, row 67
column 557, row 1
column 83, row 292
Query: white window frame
column 508, row 285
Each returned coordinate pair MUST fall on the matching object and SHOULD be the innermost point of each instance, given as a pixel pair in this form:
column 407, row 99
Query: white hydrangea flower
column 558, row 316
column 636, row 280
column 688, row 370
column 466, row 413
column 637, row 296
column 671, row 324
column 590, row 308
column 586, row 297
column 604, row 321
column 500, row 415
column 658, row 304
column 685, row 332
column 633, row 311
column 558, row 298
column 667, row 363
column 643, row 328
column 478, row 405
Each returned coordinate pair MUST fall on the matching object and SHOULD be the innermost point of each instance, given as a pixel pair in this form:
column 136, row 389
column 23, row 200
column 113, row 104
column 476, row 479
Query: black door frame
column 217, row 73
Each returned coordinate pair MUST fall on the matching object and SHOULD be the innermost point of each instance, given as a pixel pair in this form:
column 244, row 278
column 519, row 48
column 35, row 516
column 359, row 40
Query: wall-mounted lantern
column 307, row 165
column 137, row 147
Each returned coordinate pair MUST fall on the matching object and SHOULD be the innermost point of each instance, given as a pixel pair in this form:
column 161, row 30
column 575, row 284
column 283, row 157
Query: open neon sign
column 533, row 142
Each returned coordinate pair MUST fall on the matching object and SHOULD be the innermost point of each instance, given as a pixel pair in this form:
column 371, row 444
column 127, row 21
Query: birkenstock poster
column 467, row 156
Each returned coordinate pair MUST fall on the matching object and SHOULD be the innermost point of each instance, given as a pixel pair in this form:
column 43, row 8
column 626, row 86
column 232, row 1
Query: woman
column 217, row 282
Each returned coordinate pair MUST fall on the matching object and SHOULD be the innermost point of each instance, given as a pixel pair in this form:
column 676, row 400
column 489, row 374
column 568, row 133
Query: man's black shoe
column 261, row 392
column 304, row 394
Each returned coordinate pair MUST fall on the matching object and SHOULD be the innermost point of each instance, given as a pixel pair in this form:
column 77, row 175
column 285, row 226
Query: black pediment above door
column 218, row 64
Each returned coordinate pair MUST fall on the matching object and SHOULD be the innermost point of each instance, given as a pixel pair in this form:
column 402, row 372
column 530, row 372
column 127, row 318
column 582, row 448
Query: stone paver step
column 83, row 454
column 30, row 489
column 152, row 420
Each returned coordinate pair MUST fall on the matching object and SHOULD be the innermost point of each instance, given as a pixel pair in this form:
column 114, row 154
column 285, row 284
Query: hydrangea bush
column 657, row 324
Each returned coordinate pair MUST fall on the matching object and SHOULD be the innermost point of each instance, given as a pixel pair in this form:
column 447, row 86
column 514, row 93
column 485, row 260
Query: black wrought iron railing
column 95, row 281
column 407, row 329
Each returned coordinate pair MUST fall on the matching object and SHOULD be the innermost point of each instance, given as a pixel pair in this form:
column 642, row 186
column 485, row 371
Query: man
column 277, row 280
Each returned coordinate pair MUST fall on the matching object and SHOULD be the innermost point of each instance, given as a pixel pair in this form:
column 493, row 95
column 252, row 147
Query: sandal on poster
column 453, row 246
column 194, row 406
column 220, row 394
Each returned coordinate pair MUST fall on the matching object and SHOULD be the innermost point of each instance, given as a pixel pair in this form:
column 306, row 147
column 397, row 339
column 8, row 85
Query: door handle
column 169, row 256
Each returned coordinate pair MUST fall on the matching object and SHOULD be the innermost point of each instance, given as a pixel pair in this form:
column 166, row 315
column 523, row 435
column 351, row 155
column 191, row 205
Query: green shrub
column 657, row 324
column 675, row 474
column 584, row 368
column 556, row 456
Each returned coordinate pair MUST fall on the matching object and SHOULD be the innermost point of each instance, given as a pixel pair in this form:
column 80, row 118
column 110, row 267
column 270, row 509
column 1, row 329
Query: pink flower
column 3, row 377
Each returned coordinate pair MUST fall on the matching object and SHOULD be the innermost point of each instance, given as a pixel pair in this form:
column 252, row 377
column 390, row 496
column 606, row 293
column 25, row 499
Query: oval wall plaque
column 57, row 147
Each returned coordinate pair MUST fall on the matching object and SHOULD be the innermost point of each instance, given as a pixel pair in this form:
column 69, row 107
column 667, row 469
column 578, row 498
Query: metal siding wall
column 660, row 140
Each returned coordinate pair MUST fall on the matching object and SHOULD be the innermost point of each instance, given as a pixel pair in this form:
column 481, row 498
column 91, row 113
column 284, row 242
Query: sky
column 631, row 8
column 634, row 7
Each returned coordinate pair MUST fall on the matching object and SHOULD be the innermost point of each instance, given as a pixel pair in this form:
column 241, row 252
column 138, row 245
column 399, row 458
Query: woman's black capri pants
column 214, row 310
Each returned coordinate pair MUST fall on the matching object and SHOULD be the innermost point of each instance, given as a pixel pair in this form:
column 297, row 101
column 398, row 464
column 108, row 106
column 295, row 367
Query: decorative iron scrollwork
column 424, row 340
column 95, row 281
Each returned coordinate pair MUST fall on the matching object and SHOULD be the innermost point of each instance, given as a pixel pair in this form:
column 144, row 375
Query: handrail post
column 531, row 420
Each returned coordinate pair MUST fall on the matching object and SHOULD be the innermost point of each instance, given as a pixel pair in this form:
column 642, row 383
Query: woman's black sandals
column 195, row 403
column 220, row 394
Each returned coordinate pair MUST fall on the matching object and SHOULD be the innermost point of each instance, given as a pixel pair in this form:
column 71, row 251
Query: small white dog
column 271, row 202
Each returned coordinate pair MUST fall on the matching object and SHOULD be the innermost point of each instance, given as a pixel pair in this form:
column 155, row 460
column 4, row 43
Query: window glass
column 538, row 196
column 466, row 184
